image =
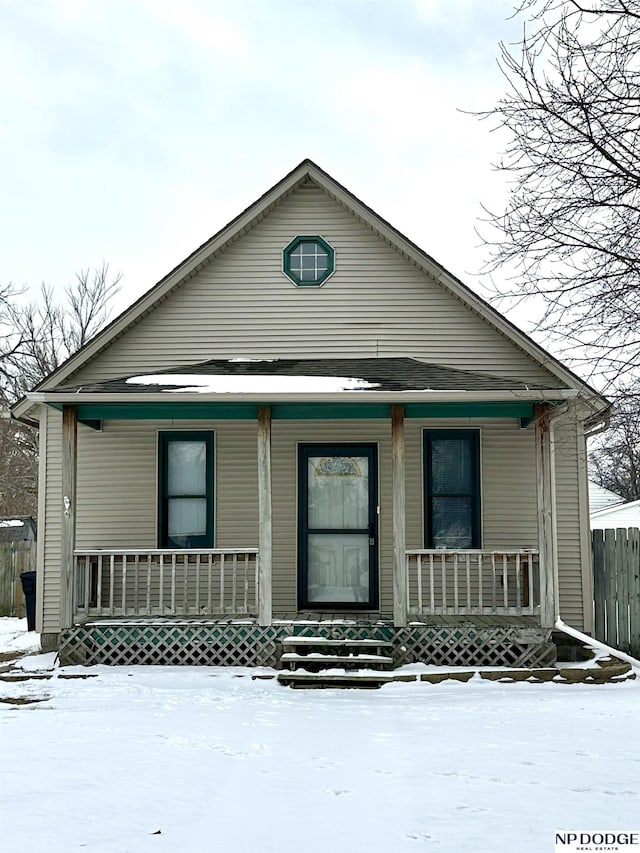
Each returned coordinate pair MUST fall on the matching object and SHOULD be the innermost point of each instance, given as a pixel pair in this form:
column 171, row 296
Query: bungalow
column 309, row 428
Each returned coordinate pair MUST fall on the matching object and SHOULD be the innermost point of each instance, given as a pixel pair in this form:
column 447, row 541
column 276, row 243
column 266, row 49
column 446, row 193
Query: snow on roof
column 348, row 374
column 261, row 383
column 12, row 522
column 620, row 515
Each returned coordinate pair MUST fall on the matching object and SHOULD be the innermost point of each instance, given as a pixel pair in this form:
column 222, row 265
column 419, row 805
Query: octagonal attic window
column 308, row 261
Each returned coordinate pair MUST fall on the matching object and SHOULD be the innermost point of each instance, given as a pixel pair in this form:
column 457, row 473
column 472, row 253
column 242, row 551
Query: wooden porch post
column 68, row 532
column 545, row 513
column 399, row 539
column 264, row 512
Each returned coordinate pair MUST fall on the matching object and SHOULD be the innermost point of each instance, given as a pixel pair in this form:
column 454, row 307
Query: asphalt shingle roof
column 387, row 374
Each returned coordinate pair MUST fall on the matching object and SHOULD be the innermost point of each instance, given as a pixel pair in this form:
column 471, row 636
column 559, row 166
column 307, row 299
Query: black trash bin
column 28, row 580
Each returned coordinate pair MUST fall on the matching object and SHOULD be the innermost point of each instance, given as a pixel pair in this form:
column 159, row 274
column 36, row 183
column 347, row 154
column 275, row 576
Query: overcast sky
column 132, row 130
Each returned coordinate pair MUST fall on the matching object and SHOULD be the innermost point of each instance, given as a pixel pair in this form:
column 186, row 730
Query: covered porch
column 507, row 588
column 202, row 608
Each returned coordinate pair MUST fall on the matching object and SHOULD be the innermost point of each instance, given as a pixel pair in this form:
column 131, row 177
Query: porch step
column 317, row 661
column 308, row 644
column 570, row 649
column 363, row 679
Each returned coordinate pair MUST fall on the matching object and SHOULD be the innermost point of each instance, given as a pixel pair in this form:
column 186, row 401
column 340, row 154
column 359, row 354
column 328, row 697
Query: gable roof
column 234, row 230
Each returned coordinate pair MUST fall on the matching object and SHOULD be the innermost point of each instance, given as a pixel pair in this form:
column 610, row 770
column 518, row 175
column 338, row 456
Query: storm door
column 337, row 526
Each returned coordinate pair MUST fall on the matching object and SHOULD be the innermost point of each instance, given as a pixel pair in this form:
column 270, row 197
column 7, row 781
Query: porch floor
column 310, row 618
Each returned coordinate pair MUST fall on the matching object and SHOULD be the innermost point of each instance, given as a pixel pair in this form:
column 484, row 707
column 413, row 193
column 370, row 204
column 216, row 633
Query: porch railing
column 161, row 582
column 470, row 582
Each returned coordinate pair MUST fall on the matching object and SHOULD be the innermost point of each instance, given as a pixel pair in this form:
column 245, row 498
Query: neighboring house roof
column 357, row 374
column 17, row 528
column 599, row 497
column 621, row 515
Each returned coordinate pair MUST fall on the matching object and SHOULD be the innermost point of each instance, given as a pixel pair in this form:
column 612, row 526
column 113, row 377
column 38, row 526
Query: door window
column 338, row 526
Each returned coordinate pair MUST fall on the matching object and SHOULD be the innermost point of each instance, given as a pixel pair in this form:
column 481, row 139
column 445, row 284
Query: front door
column 338, row 526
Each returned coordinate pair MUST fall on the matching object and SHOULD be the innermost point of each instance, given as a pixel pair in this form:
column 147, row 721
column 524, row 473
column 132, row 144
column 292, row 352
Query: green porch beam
column 166, row 411
column 329, row 411
column 469, row 410
column 92, row 413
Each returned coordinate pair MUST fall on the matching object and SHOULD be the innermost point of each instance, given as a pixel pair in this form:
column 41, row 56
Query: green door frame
column 305, row 451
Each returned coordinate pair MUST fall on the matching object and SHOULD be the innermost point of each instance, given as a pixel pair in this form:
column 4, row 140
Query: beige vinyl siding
column 570, row 584
column 51, row 529
column 117, row 483
column 508, row 482
column 117, row 494
column 377, row 303
column 117, row 490
column 42, row 492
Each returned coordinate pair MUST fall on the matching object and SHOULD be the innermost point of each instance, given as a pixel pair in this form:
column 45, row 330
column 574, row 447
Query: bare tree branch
column 35, row 338
column 571, row 228
column 38, row 337
column 614, row 458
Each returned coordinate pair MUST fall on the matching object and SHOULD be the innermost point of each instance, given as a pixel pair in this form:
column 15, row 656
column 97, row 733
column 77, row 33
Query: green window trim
column 308, row 261
column 204, row 537
column 462, row 498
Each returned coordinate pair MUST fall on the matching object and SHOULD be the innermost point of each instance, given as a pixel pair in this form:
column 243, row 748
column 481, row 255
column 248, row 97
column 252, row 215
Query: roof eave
column 84, row 398
column 610, row 510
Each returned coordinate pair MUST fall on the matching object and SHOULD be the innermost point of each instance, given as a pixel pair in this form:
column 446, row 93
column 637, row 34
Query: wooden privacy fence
column 15, row 557
column 616, row 584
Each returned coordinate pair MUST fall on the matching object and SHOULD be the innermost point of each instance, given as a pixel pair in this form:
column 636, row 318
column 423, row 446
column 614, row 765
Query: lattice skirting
column 228, row 644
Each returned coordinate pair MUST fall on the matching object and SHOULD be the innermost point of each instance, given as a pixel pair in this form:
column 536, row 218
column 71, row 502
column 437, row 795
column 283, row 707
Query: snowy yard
column 215, row 761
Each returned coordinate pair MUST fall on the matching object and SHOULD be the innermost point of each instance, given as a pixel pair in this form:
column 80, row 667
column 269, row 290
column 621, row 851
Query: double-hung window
column 452, row 488
column 185, row 490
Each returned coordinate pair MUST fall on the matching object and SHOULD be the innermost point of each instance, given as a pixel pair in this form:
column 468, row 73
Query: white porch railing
column 161, row 582
column 470, row 582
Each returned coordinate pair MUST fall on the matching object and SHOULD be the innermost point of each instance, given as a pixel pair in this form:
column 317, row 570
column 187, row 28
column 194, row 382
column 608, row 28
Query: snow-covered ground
column 215, row 761
column 14, row 637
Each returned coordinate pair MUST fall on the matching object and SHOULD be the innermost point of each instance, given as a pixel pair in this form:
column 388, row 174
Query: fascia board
column 81, row 398
column 24, row 408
